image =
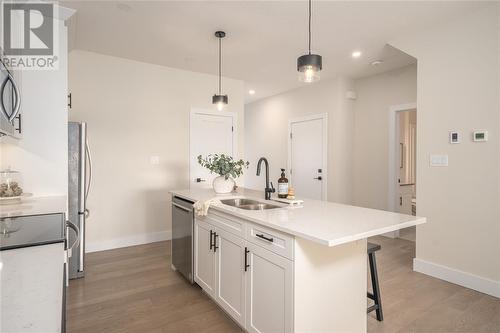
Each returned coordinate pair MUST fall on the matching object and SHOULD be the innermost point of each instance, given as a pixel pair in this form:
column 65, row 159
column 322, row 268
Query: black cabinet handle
column 211, row 241
column 269, row 239
column 215, row 241
column 246, row 258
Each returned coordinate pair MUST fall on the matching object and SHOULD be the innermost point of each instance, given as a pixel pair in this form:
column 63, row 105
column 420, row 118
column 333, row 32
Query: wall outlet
column 437, row 160
column 154, row 160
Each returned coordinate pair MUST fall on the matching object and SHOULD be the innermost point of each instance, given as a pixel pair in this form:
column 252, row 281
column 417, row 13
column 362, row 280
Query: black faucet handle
column 272, row 189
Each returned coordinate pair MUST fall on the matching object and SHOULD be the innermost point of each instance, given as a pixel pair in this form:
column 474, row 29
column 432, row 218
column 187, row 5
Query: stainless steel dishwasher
column 182, row 236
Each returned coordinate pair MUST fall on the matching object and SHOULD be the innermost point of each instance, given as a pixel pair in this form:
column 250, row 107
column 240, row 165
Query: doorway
column 403, row 178
column 307, row 156
column 210, row 133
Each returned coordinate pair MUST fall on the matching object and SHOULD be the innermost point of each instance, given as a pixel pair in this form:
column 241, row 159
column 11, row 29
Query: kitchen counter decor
column 10, row 185
column 226, row 167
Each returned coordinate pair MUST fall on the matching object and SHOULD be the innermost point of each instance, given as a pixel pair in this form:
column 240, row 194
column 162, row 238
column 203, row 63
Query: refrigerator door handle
column 89, row 185
column 72, row 226
column 81, row 242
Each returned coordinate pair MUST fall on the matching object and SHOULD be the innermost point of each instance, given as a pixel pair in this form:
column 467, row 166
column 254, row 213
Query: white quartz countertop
column 322, row 222
column 34, row 206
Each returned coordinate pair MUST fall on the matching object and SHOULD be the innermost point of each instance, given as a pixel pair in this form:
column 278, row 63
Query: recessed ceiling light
column 251, row 92
column 356, row 54
column 376, row 62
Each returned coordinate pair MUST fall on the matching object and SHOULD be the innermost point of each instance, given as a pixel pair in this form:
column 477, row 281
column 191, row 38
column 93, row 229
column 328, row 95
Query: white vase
column 222, row 185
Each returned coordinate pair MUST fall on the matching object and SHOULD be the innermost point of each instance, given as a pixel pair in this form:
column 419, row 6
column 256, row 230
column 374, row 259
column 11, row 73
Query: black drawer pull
column 269, row 239
column 246, row 258
column 215, row 242
column 211, row 241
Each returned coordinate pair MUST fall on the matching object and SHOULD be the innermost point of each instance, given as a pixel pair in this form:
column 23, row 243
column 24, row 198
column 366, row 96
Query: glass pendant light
column 219, row 100
column 309, row 65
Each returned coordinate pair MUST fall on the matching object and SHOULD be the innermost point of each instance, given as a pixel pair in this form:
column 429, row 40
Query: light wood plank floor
column 134, row 290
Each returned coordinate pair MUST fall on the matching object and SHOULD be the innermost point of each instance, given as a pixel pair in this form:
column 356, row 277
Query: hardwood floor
column 134, row 290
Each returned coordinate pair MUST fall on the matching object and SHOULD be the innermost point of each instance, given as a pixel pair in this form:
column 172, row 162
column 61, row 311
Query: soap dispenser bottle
column 283, row 185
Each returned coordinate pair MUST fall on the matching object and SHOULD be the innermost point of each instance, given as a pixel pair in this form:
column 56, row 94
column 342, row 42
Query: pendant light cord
column 309, row 26
column 220, row 64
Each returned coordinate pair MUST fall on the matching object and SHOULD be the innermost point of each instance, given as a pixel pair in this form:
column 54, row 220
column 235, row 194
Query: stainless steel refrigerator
column 79, row 183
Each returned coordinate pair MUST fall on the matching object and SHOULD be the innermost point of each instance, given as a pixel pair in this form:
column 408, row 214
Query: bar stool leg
column 375, row 286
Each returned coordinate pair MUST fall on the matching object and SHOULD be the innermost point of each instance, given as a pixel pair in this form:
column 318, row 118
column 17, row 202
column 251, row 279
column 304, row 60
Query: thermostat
column 480, row 136
column 454, row 137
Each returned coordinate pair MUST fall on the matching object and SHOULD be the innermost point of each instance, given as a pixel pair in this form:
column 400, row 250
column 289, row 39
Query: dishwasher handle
column 181, row 207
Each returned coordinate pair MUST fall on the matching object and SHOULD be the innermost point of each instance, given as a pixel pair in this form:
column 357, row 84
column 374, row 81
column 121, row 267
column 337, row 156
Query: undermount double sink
column 248, row 204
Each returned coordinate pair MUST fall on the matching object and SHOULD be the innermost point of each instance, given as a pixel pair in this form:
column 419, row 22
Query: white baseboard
column 455, row 276
column 128, row 241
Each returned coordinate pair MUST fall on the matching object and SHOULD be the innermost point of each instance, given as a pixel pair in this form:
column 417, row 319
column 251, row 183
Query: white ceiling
column 264, row 38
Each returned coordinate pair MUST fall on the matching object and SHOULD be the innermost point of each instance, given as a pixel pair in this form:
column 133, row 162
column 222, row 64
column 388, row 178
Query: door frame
column 194, row 111
column 392, row 189
column 324, row 118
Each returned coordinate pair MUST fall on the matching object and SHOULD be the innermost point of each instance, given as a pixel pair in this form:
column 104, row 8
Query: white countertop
column 322, row 222
column 34, row 206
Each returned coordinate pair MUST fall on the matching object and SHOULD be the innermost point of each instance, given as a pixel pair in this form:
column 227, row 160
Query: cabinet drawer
column 273, row 240
column 225, row 222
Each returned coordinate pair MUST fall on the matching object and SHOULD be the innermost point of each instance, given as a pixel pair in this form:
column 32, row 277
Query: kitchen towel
column 201, row 207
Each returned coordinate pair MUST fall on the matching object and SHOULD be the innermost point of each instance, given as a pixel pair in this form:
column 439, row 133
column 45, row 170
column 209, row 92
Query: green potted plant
column 226, row 167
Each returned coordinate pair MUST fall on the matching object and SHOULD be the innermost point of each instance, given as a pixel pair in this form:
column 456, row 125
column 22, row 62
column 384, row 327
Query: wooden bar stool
column 371, row 249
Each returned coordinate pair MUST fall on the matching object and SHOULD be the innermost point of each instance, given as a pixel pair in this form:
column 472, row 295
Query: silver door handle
column 89, row 156
column 182, row 207
column 77, row 237
column 18, row 99
column 2, row 106
column 17, row 104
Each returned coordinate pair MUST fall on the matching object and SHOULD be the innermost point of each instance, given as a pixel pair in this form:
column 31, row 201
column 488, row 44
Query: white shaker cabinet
column 251, row 283
column 230, row 274
column 269, row 292
column 204, row 260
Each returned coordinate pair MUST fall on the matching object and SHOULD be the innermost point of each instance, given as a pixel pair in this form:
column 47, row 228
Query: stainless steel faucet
column 269, row 185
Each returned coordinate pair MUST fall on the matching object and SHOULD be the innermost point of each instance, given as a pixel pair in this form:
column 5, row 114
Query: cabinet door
column 230, row 274
column 204, row 264
column 269, row 292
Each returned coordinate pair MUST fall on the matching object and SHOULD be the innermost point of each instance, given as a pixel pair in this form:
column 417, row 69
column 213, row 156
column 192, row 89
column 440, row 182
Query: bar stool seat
column 375, row 296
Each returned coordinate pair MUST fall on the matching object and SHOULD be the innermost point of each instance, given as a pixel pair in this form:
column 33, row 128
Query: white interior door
column 307, row 155
column 210, row 133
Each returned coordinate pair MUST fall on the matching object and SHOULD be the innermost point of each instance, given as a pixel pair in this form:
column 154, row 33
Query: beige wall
column 376, row 94
column 266, row 132
column 458, row 89
column 41, row 154
column 134, row 111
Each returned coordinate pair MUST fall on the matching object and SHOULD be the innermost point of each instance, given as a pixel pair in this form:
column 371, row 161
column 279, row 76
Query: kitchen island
column 288, row 268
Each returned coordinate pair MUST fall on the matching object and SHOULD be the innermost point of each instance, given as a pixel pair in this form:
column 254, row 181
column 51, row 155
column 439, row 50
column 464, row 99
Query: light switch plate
column 438, row 160
column 454, row 137
column 480, row 136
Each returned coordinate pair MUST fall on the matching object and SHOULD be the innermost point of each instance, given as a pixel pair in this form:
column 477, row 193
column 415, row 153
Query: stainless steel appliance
column 182, row 236
column 10, row 104
column 79, row 184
